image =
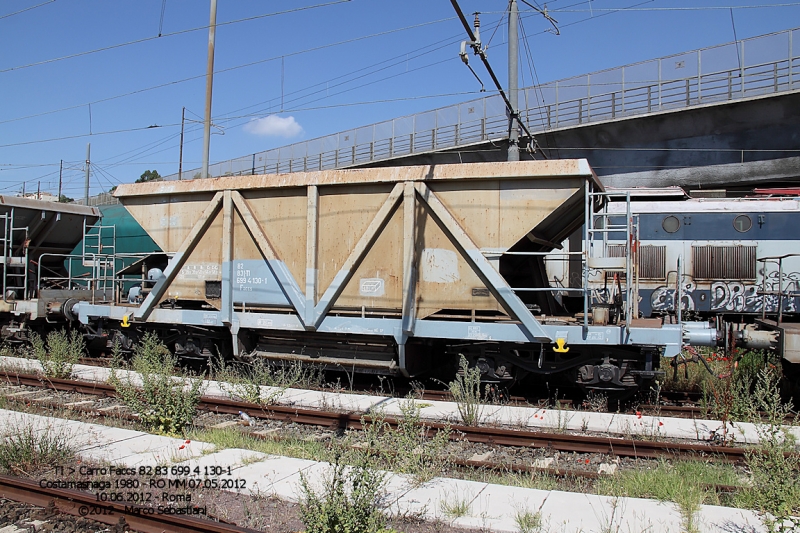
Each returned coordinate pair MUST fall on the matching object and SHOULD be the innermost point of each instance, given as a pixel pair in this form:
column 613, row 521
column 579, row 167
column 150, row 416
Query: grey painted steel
column 409, row 259
column 485, row 271
column 177, row 261
column 669, row 336
column 312, row 272
column 227, row 257
column 674, row 82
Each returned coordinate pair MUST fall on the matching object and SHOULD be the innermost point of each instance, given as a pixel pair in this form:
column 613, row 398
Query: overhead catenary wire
column 7, row 15
column 688, row 8
column 536, row 85
column 161, row 126
column 228, row 69
column 357, row 103
column 448, row 41
column 488, row 67
column 171, row 34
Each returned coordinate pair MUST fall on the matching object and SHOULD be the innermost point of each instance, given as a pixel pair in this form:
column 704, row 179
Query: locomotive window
column 742, row 223
column 671, row 224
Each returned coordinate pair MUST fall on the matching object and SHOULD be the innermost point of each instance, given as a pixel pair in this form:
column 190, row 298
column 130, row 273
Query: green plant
column 774, row 466
column 25, row 448
column 351, row 501
column 165, row 402
column 729, row 396
column 528, row 522
column 60, row 353
column 455, row 506
column 244, row 381
column 687, row 483
column 289, row 446
column 295, row 374
column 595, row 402
column 466, row 391
column 407, row 449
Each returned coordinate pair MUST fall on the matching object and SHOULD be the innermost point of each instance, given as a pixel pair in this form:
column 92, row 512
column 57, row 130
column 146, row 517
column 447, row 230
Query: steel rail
column 85, row 504
column 644, row 449
column 698, row 411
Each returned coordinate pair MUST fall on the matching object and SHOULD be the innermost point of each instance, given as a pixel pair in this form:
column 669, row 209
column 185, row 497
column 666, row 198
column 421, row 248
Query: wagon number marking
column 243, row 278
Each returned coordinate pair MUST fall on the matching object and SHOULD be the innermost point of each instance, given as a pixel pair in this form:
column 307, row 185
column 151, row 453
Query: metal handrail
column 778, row 259
column 632, row 89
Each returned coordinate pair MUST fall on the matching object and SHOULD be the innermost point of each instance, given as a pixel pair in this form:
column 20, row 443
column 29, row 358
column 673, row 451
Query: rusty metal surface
column 78, row 503
column 522, row 169
column 651, row 259
column 42, row 205
column 652, row 262
column 495, row 204
column 487, row 435
column 724, row 262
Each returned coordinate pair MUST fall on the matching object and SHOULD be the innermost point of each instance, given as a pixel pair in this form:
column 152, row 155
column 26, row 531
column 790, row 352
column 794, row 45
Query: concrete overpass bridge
column 723, row 116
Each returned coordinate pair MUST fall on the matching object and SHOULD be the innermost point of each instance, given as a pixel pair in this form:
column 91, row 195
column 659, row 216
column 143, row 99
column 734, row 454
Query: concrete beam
column 752, row 172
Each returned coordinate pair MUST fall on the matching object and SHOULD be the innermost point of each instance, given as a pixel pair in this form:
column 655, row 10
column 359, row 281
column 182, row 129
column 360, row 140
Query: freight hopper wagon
column 38, row 275
column 393, row 271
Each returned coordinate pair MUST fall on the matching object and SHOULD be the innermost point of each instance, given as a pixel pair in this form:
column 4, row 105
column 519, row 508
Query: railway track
column 615, row 446
column 693, row 411
column 84, row 504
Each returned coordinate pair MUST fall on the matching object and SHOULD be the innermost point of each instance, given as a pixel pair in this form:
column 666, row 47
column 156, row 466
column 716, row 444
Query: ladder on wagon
column 93, row 269
column 600, row 228
column 14, row 241
column 99, row 254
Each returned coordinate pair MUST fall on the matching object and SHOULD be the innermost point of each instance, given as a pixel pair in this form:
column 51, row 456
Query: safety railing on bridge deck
column 761, row 65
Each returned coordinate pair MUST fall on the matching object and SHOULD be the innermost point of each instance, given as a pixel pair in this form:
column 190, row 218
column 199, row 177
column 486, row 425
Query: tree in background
column 64, row 199
column 149, row 175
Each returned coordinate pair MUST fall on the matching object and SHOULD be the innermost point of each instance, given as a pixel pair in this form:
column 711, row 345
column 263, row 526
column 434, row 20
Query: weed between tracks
column 290, row 447
column 352, row 499
column 26, row 449
column 770, row 483
column 164, row 401
column 466, row 391
column 456, row 505
column 410, row 448
column 775, row 476
column 247, row 381
column 529, row 522
column 59, row 354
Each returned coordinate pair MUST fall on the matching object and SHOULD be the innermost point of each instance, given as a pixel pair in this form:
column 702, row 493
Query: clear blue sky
column 414, row 67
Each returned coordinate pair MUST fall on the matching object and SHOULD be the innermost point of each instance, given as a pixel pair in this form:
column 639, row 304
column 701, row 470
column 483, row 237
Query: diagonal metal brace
column 485, row 271
column 364, row 244
column 180, row 257
column 282, row 275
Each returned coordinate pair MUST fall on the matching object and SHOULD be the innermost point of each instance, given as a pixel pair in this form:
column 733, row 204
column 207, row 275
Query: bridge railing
column 758, row 66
